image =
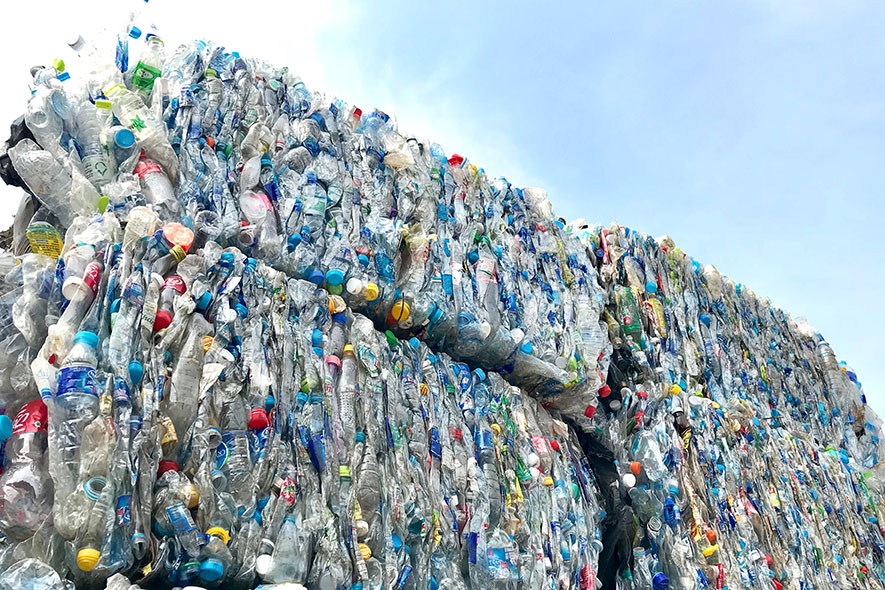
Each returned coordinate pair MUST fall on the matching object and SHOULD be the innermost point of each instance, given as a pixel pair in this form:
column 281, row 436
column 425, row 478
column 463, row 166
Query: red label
column 91, row 277
column 31, row 418
column 175, row 282
column 146, row 167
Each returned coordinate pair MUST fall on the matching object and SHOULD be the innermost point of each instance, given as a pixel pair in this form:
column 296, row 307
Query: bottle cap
column 372, row 292
column 203, row 302
column 178, row 253
column 391, row 339
column 629, row 480
column 193, row 498
column 331, row 359
column 335, row 289
column 365, row 551
column 166, row 466
column 59, row 64
column 526, row 347
column 87, row 558
column 651, row 287
column 5, row 427
column 400, row 311
column 241, row 310
column 363, row 260
column 354, row 286
column 87, row 338
column 162, row 320
column 334, row 277
column 257, row 419
column 179, row 235
column 220, row 532
column 211, row 570
column 316, row 277
column 604, row 391
column 343, row 471
column 134, row 32
column 548, row 481
column 635, row 467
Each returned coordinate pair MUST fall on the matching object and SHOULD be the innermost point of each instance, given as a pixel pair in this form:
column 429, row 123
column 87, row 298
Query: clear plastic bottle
column 92, row 120
column 157, row 188
column 75, row 406
column 149, row 67
column 347, row 399
column 25, row 486
column 51, row 183
column 292, row 554
column 215, row 561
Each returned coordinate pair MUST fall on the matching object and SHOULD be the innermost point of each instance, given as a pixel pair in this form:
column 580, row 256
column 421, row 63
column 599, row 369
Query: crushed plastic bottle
column 283, row 345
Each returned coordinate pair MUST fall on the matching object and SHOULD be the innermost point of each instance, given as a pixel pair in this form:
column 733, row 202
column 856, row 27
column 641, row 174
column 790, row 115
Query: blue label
column 180, row 519
column 222, row 454
column 123, row 513
column 77, row 380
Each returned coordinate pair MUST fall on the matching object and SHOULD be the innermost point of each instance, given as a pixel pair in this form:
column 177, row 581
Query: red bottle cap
column 589, row 411
column 554, row 445
column 258, row 419
column 604, row 391
column 162, row 320
column 166, row 466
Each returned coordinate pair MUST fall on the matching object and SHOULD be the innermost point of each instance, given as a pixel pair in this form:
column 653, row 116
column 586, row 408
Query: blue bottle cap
column 397, row 542
column 660, row 582
column 473, row 256
column 293, row 241
column 241, row 310
column 204, row 301
column 136, row 372
column 360, row 436
column 115, row 305
column 124, row 139
column 651, row 287
column 339, row 318
column 227, row 257
column 316, row 338
column 526, row 347
column 87, row 338
column 414, row 342
column 134, row 32
column 63, row 76
column 5, row 427
column 706, row 319
column 211, row 570
column 316, row 277
column 269, row 402
column 334, row 277
column 480, row 374
column 363, row 260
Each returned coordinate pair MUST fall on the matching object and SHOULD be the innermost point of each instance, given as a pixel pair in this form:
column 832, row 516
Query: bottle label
column 95, row 168
column 77, row 379
column 287, row 490
column 146, row 167
column 32, row 417
column 44, row 239
column 123, row 512
column 222, row 454
column 144, row 76
column 91, row 276
column 175, row 282
column 180, row 519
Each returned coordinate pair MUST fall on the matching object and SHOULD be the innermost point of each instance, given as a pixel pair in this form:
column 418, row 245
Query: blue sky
column 752, row 132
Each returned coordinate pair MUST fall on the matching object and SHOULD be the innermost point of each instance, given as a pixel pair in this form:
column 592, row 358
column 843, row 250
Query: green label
column 144, row 75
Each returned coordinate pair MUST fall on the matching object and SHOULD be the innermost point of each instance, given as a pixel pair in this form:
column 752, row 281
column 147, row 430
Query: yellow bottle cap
column 348, row 348
column 548, row 481
column 365, row 550
column 59, row 64
column 178, row 253
column 221, row 533
column 675, row 389
column 372, row 292
column 343, row 471
column 87, row 558
column 708, row 551
column 400, row 311
column 495, row 428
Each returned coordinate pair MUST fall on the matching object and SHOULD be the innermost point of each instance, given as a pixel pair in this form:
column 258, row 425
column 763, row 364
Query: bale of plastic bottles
column 256, row 337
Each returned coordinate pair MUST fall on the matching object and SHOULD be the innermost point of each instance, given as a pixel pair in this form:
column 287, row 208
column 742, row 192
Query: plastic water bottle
column 75, row 404
column 149, row 67
column 51, row 183
column 25, row 486
column 215, row 561
column 292, row 554
column 157, row 188
column 95, row 155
